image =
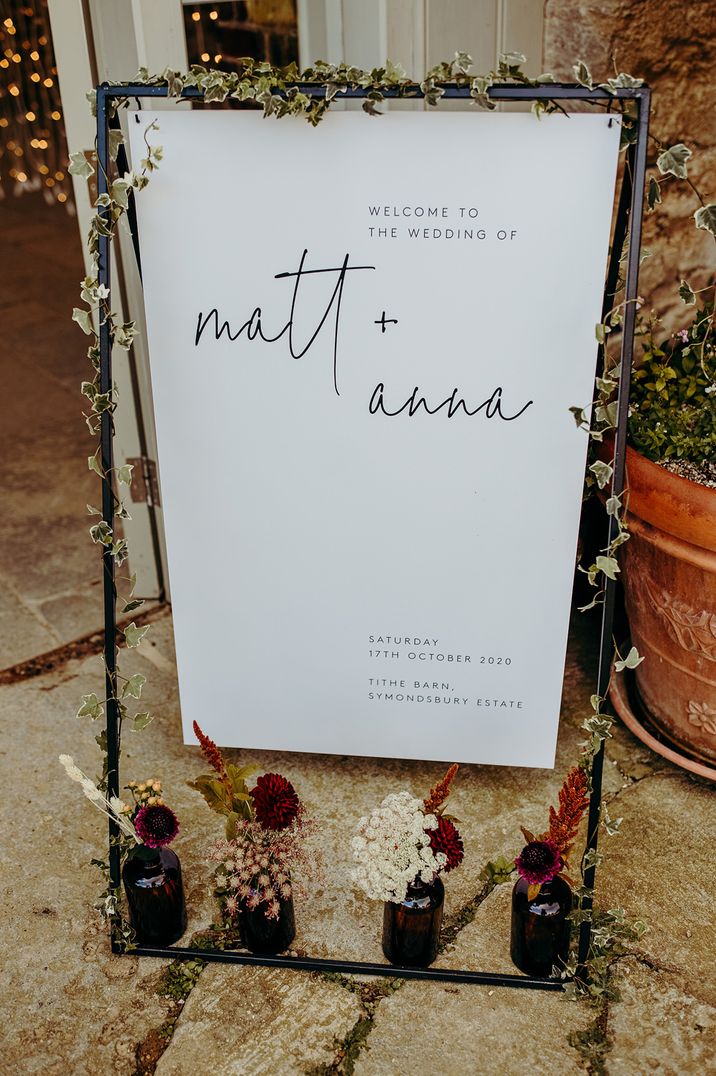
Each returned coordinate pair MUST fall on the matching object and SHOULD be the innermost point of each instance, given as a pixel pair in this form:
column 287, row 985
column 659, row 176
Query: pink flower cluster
column 257, row 867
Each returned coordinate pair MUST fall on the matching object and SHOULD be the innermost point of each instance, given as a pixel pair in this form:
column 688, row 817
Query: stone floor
column 73, row 1008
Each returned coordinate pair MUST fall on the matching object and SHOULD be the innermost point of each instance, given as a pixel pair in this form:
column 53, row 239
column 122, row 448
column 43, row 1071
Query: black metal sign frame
column 628, row 218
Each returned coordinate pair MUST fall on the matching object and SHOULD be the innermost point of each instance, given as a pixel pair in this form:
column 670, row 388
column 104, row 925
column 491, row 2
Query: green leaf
column 608, row 565
column 631, row 661
column 686, row 294
column 213, row 792
column 705, row 217
column 134, row 686
column 653, row 197
column 80, row 166
column 134, row 635
column 140, row 722
column 136, row 603
column 673, row 161
column 91, row 707
column 83, row 319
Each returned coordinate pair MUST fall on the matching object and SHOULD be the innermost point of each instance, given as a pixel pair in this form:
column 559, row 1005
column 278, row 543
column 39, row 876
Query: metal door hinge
column 145, row 484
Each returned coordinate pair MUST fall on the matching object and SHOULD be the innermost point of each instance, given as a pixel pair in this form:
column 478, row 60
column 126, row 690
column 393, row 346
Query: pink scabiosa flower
column 156, row 825
column 538, row 862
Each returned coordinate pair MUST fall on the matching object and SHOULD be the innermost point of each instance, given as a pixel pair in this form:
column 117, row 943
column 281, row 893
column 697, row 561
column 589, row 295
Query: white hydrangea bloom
column 392, row 848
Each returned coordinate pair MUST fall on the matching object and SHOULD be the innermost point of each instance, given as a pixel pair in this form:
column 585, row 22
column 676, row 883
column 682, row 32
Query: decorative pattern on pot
column 691, row 629
column 702, row 716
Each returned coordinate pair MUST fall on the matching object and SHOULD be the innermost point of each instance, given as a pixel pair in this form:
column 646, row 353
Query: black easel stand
column 628, row 218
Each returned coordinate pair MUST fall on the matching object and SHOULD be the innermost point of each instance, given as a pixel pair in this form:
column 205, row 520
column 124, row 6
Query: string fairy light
column 33, row 149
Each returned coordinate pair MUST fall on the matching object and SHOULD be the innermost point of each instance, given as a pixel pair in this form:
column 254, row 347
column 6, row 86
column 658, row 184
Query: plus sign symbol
column 384, row 322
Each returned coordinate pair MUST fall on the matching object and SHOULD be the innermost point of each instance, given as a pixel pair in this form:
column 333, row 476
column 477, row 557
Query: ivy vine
column 283, row 92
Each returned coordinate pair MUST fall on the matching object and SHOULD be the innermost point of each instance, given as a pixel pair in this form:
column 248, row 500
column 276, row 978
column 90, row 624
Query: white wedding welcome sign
column 365, row 339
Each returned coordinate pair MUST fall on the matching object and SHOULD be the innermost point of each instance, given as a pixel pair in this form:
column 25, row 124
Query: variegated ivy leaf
column 512, row 59
column 602, row 472
column 119, row 192
column 134, row 635
column 174, row 81
column 607, row 413
column 124, row 474
column 124, row 335
column 83, row 319
column 613, row 506
column 623, row 81
column 90, row 707
column 101, row 533
column 631, row 661
column 120, row 550
column 579, row 416
column 686, row 293
column 611, row 825
column 608, row 565
column 140, row 722
column 79, row 165
column 582, row 75
column 595, row 702
column 94, row 465
column 116, row 139
column 705, row 217
column 92, row 510
column 598, row 726
column 673, row 161
column 134, row 686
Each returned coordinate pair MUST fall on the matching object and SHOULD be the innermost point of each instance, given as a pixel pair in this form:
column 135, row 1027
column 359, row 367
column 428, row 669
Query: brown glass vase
column 540, row 928
column 155, row 895
column 259, row 934
column 411, row 929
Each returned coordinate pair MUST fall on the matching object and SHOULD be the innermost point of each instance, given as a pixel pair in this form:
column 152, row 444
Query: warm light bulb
column 34, row 55
column 55, row 115
column 48, row 82
column 22, row 178
column 213, row 14
column 34, row 77
column 61, row 197
column 30, row 116
column 205, row 56
column 217, row 58
column 14, row 91
column 5, row 63
column 195, row 16
column 59, row 175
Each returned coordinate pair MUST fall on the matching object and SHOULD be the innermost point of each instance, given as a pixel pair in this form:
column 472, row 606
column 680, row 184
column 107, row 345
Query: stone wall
column 673, row 47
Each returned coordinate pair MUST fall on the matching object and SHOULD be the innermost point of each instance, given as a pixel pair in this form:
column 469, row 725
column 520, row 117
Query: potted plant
column 669, row 563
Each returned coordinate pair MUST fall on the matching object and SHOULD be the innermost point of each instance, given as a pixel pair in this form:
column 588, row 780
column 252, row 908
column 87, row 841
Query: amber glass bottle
column 263, row 935
column 540, row 927
column 155, row 895
column 411, row 929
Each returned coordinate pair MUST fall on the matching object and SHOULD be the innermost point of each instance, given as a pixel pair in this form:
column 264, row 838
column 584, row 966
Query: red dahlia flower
column 538, row 862
column 156, row 825
column 276, row 803
column 445, row 838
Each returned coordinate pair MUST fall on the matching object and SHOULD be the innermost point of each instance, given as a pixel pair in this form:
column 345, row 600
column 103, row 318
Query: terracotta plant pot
column 669, row 574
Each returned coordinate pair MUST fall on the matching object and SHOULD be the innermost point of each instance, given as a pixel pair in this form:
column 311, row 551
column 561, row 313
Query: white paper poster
column 365, row 340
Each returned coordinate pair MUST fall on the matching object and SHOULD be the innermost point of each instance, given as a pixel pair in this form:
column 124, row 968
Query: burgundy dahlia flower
column 538, row 862
column 446, row 838
column 156, row 825
column 276, row 803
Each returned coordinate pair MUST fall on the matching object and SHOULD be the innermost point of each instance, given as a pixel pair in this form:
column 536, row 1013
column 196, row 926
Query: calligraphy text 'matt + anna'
column 253, row 327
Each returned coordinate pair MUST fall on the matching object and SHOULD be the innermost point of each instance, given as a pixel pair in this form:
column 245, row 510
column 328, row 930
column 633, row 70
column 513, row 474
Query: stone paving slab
column 241, row 1021
column 660, row 1024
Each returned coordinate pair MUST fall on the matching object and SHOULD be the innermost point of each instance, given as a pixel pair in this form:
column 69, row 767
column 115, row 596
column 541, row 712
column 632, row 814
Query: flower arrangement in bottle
column 400, row 850
column 542, row 896
column 151, row 871
column 265, row 846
